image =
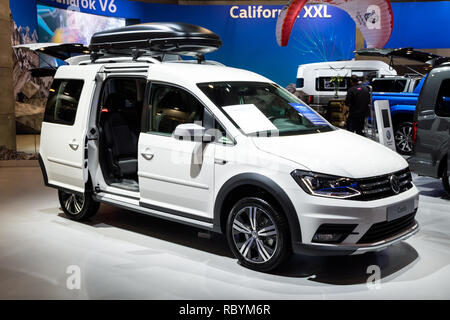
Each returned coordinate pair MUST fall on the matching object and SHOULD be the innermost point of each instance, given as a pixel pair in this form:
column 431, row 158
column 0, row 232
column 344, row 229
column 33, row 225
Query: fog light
column 333, row 233
column 327, row 237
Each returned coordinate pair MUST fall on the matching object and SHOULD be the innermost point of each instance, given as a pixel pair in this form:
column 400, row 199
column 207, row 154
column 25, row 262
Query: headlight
column 322, row 185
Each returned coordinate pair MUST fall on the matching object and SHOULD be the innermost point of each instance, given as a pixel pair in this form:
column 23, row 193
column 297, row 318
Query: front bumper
column 315, row 211
column 319, row 249
column 424, row 166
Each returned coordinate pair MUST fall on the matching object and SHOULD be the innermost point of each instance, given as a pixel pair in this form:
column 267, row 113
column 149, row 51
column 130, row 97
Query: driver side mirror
column 192, row 132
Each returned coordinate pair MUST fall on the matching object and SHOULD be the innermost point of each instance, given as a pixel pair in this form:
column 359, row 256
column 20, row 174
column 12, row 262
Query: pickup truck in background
column 402, row 92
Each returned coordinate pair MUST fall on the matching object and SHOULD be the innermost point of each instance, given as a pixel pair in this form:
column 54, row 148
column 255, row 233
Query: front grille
column 386, row 229
column 380, row 187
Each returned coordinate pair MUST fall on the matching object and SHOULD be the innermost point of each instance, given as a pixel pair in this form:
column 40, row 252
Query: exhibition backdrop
column 249, row 40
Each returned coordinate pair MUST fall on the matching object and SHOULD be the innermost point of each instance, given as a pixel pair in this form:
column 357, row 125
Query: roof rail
column 118, row 59
column 412, row 75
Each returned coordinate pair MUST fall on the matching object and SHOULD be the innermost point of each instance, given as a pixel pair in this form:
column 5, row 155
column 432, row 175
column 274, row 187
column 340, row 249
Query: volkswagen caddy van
column 218, row 148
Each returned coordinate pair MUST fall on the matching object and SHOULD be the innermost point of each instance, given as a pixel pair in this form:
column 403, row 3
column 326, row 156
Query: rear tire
column 78, row 207
column 446, row 181
column 258, row 234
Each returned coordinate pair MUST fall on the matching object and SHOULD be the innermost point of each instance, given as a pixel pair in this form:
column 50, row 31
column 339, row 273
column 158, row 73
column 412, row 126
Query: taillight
column 414, row 132
column 308, row 99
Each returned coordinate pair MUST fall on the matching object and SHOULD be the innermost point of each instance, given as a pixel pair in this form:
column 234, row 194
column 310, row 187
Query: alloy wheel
column 255, row 234
column 403, row 138
column 73, row 203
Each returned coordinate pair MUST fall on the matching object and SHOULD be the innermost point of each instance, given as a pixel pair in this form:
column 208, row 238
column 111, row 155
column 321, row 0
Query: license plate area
column 399, row 210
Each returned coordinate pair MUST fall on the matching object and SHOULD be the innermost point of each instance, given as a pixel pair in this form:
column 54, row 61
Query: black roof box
column 174, row 38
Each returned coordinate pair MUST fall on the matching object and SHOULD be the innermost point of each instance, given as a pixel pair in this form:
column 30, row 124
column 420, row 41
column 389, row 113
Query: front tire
column 403, row 138
column 257, row 234
column 78, row 206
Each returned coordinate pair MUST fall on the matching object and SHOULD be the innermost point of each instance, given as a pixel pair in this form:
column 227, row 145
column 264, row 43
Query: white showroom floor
column 124, row 255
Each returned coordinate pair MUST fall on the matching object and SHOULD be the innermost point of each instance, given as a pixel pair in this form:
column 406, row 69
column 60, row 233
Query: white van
column 222, row 149
column 313, row 79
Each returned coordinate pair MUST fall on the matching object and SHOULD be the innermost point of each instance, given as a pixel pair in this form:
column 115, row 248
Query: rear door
column 63, row 149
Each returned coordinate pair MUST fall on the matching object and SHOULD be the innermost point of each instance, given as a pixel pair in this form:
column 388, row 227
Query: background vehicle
column 313, row 79
column 398, row 84
column 402, row 93
column 431, row 135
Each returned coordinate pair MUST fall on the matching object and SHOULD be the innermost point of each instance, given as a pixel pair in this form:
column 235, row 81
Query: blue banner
column 248, row 35
column 248, row 31
column 111, row 8
column 421, row 25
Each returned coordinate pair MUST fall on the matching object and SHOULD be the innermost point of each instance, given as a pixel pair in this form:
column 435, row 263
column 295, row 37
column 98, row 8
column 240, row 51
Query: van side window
column 171, row 106
column 325, row 84
column 222, row 136
column 443, row 99
column 62, row 101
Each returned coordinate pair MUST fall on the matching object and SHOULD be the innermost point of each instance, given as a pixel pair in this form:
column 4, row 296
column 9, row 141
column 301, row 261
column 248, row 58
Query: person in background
column 357, row 100
column 366, row 81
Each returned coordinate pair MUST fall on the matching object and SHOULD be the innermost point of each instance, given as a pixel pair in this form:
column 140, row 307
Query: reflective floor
column 123, row 255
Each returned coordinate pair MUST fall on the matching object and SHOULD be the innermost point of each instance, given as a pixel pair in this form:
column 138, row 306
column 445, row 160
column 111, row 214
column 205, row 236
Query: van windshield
column 264, row 109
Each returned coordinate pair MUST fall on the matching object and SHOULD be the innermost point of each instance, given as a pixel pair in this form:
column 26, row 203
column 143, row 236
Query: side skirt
column 155, row 213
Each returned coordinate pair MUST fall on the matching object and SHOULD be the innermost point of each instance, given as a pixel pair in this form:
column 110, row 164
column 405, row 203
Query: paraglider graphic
column 373, row 17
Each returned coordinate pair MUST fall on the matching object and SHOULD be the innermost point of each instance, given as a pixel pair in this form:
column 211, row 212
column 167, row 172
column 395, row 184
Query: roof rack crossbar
column 200, row 58
column 136, row 54
column 95, row 56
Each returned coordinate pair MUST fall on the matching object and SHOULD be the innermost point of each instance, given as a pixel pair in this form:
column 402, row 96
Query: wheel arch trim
column 267, row 184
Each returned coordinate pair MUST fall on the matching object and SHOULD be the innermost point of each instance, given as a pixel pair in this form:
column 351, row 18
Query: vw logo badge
column 395, row 184
column 388, row 135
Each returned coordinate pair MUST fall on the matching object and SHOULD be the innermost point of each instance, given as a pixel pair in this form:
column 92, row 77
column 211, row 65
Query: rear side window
column 62, row 101
column 325, row 84
column 443, row 99
column 389, row 85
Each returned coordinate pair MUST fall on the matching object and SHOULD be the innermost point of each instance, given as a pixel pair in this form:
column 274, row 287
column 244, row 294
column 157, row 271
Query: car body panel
column 64, row 164
column 342, row 153
column 433, row 131
column 179, row 175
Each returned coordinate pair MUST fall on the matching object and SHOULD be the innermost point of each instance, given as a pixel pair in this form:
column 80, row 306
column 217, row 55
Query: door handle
column 147, row 154
column 220, row 161
column 73, row 145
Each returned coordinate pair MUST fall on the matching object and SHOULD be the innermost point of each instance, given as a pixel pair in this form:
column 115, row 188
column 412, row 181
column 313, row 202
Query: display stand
column 384, row 123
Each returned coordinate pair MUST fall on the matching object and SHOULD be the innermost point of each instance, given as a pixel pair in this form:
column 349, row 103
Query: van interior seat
column 121, row 140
